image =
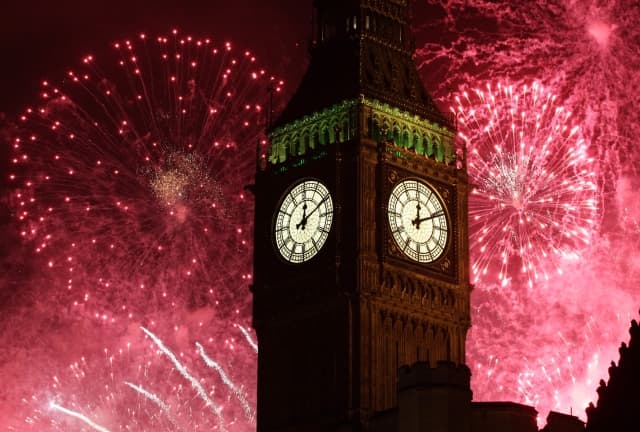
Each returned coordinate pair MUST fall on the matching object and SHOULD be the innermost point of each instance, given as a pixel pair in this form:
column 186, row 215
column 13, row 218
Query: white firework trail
column 187, row 375
column 79, row 416
column 246, row 406
column 156, row 400
column 248, row 337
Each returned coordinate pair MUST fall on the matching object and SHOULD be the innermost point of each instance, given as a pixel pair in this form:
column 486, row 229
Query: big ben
column 361, row 234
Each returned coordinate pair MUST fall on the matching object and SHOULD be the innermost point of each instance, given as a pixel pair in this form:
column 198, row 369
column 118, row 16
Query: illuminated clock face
column 418, row 221
column 303, row 221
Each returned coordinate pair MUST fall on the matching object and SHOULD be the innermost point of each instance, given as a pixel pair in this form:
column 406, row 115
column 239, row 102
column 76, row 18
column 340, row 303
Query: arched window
column 332, row 134
column 326, row 136
column 438, row 150
column 386, row 131
column 397, row 138
column 374, row 130
column 428, row 146
column 418, row 143
column 449, row 154
column 406, row 140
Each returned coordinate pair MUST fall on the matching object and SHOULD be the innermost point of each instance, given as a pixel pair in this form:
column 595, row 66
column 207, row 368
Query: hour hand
column 303, row 221
column 416, row 221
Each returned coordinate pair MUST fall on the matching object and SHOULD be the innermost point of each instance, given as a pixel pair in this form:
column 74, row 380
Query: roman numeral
column 399, row 229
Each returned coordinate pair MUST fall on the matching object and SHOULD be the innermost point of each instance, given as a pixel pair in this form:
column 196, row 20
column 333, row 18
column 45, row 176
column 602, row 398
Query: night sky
column 39, row 39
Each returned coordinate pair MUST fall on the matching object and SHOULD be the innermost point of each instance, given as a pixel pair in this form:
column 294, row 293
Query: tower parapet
column 503, row 417
column 434, row 399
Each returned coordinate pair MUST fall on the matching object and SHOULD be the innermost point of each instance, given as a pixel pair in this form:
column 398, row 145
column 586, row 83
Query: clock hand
column 316, row 208
column 305, row 216
column 417, row 221
column 303, row 221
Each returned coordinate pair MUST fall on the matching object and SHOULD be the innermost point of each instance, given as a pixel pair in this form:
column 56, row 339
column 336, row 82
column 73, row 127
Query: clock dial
column 303, row 221
column 418, row 221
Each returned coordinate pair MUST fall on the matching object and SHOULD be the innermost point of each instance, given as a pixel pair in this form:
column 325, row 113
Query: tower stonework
column 372, row 275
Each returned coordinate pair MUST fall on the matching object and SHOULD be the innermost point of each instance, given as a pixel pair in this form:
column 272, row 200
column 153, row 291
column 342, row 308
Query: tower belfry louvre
column 361, row 234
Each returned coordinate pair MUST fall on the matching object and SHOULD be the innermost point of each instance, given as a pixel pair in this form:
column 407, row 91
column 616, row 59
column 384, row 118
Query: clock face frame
column 303, row 221
column 418, row 220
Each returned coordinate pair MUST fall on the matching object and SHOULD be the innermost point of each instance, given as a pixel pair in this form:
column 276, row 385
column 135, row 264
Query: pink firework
column 129, row 188
column 130, row 184
column 585, row 52
column 534, row 201
column 549, row 344
column 151, row 383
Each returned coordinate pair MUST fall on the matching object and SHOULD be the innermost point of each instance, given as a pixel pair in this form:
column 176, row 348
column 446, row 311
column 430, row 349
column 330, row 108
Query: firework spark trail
column 187, row 375
column 246, row 406
column 584, row 51
column 156, row 400
column 101, row 384
column 248, row 337
column 587, row 52
column 79, row 416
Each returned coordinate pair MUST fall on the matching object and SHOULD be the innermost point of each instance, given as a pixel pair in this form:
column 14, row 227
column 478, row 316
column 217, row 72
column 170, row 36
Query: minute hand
column 317, row 206
column 417, row 221
column 303, row 222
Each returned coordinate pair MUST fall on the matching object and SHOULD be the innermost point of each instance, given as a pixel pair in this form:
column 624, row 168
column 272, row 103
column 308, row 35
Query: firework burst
column 129, row 188
column 549, row 344
column 586, row 52
column 131, row 183
column 535, row 185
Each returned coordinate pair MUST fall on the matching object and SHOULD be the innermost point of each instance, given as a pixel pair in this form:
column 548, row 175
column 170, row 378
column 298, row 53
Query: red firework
column 153, row 383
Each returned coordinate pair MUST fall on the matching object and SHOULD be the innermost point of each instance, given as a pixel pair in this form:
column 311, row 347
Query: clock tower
column 361, row 233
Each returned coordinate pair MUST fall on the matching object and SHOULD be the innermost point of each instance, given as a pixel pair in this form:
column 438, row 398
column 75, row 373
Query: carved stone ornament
column 393, row 176
column 392, row 247
column 445, row 264
column 445, row 193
